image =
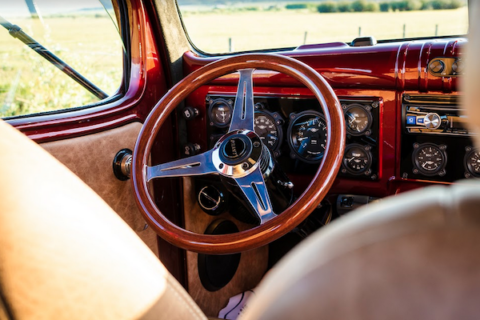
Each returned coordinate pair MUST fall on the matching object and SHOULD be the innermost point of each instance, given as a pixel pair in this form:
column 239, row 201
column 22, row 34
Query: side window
column 83, row 34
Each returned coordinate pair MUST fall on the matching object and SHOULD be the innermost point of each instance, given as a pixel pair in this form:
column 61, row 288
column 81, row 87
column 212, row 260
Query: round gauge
column 472, row 163
column 358, row 119
column 357, row 159
column 266, row 125
column 307, row 136
column 220, row 112
column 211, row 200
column 429, row 159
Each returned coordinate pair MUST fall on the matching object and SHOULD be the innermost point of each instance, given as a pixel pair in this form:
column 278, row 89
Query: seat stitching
column 180, row 294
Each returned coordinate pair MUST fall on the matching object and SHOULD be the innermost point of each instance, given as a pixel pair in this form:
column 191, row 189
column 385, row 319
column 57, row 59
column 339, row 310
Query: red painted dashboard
column 385, row 72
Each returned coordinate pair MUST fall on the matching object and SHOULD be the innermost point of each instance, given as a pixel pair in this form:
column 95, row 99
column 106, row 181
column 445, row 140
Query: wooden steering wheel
column 236, row 156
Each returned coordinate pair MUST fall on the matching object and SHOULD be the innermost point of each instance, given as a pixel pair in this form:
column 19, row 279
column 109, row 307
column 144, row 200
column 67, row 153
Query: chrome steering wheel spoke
column 200, row 164
column 243, row 110
column 254, row 188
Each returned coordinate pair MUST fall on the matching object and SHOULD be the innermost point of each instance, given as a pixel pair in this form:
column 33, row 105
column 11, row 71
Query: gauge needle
column 303, row 146
column 209, row 198
column 224, row 115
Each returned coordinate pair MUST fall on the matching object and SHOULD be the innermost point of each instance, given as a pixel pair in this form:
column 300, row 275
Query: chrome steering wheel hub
column 237, row 153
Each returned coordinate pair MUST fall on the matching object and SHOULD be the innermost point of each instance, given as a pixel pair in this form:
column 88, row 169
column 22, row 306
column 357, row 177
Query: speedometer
column 268, row 126
column 472, row 163
column 307, row 136
column 429, row 159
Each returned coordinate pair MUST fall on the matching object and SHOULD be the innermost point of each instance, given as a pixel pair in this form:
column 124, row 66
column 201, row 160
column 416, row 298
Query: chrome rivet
column 256, row 144
column 245, row 165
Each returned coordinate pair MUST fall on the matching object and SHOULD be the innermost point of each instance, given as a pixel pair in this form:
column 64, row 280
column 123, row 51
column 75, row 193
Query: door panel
column 90, row 157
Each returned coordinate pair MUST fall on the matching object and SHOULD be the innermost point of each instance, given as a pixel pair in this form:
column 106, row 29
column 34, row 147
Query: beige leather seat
column 64, row 254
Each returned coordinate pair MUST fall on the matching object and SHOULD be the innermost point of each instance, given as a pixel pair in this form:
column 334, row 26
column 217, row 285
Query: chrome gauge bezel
column 367, row 110
column 278, row 121
column 293, row 119
column 418, row 169
column 367, row 151
column 469, row 172
column 212, row 104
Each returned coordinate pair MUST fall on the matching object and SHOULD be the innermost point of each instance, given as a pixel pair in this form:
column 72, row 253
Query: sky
column 19, row 7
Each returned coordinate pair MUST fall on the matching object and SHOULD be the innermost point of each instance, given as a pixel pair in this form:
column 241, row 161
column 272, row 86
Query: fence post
column 359, row 31
column 436, row 30
column 404, row 30
column 305, row 37
column 230, row 45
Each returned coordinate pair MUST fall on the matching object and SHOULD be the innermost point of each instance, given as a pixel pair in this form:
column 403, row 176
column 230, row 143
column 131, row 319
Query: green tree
column 372, row 7
column 455, row 4
column 327, row 7
column 439, row 4
column 344, row 7
column 385, row 6
column 295, row 6
column 359, row 5
column 411, row 5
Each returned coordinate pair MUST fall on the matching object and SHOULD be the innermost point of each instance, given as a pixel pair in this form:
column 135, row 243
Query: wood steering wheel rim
column 282, row 223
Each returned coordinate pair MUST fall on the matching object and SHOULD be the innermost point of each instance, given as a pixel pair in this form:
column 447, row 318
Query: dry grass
column 30, row 84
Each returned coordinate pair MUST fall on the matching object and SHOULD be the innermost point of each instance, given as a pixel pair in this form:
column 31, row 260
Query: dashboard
column 405, row 126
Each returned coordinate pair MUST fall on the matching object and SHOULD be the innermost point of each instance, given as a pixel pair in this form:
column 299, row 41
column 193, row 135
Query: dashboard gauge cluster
column 220, row 112
column 307, row 136
column 429, row 159
column 443, row 155
column 269, row 126
column 357, row 160
column 296, row 133
column 358, row 118
column 472, row 162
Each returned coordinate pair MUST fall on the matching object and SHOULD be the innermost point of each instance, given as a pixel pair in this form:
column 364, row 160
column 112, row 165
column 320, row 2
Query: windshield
column 221, row 26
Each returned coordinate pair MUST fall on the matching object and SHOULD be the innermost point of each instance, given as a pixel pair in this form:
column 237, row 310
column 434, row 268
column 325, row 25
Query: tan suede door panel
column 90, row 158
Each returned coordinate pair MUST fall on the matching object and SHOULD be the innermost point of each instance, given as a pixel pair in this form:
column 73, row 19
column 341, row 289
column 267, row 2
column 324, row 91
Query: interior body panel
column 391, row 83
column 96, row 171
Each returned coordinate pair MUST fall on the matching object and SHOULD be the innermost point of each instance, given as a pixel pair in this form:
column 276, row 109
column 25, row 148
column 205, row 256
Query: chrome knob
column 432, row 121
column 437, row 66
column 457, row 66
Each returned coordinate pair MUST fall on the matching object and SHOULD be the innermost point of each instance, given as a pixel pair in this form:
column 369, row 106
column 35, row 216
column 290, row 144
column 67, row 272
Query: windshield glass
column 220, row 26
column 34, row 35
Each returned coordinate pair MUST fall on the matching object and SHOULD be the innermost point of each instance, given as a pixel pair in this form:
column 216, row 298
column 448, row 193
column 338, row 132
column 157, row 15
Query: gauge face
column 429, row 159
column 358, row 119
column 210, row 200
column 472, row 162
column 220, row 112
column 307, row 136
column 357, row 159
column 265, row 126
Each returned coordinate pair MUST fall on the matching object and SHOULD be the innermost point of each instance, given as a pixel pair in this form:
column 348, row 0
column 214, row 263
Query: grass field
column 30, row 84
column 91, row 45
column 251, row 30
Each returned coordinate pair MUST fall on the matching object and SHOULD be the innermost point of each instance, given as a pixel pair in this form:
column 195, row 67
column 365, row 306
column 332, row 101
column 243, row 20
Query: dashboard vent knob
column 432, row 121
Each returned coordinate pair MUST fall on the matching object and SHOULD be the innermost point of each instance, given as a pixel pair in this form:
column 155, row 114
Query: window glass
column 219, row 26
column 84, row 34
